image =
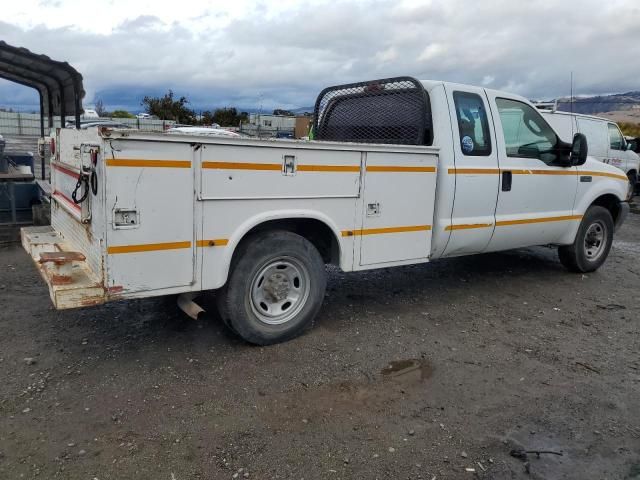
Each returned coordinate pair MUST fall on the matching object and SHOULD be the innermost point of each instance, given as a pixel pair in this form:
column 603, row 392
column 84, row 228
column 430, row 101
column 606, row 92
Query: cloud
column 284, row 56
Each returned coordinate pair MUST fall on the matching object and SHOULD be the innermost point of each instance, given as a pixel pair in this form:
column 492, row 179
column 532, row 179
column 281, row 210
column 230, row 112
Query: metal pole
column 12, row 201
column 63, row 107
column 41, row 151
column 78, row 106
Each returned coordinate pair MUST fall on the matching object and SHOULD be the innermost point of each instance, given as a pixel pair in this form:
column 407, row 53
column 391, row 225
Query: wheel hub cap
column 595, row 240
column 279, row 290
column 276, row 287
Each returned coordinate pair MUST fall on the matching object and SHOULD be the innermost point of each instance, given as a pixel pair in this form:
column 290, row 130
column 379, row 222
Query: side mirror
column 579, row 149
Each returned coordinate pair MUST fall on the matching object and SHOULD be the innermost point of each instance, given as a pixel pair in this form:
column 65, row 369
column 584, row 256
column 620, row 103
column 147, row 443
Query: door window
column 616, row 141
column 526, row 133
column 473, row 125
column 597, row 136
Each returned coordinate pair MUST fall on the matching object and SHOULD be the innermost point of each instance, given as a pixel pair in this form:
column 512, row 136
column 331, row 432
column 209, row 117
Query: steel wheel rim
column 279, row 290
column 595, row 240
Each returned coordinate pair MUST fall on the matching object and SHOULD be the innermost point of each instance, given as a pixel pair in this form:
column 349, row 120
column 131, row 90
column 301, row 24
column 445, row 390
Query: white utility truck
column 399, row 172
column 606, row 142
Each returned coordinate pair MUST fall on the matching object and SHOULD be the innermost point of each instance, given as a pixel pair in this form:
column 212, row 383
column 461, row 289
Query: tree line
column 171, row 107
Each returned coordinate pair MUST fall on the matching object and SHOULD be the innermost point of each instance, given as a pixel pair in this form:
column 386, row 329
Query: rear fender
column 345, row 255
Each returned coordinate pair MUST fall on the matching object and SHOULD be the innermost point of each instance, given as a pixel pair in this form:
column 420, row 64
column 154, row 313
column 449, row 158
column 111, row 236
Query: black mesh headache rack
column 388, row 111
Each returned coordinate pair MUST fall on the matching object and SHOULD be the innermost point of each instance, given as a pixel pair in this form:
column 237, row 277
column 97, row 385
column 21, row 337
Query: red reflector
column 52, row 146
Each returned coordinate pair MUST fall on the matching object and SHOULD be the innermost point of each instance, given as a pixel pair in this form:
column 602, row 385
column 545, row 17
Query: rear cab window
column 473, row 125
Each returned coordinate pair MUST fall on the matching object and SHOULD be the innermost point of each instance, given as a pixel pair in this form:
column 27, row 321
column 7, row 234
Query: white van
column 606, row 142
column 89, row 114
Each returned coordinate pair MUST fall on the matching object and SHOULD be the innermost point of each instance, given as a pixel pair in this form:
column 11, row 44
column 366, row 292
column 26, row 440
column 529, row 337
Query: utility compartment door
column 398, row 205
column 150, row 219
column 231, row 172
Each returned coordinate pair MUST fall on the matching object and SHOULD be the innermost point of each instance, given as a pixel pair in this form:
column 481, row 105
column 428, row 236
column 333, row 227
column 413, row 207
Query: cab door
column 477, row 176
column 536, row 195
column 617, row 148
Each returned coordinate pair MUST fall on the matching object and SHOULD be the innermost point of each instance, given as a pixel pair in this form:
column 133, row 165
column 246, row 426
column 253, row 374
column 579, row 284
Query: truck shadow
column 138, row 324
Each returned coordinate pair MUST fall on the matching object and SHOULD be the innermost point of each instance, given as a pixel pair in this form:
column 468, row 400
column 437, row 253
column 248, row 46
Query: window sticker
column 467, row 144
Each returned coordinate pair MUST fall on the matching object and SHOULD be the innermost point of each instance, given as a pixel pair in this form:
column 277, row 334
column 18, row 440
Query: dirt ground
column 416, row 372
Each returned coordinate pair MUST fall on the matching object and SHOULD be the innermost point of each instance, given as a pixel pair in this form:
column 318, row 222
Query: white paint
column 596, row 129
column 200, row 204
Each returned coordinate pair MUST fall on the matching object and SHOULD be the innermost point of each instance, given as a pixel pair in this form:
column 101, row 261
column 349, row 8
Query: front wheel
column 592, row 244
column 275, row 288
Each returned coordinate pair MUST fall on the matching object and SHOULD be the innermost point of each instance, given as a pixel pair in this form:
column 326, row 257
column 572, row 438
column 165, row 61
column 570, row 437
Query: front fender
column 601, row 189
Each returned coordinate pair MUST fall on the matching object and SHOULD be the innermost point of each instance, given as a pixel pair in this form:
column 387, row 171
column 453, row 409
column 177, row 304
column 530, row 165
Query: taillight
column 52, row 146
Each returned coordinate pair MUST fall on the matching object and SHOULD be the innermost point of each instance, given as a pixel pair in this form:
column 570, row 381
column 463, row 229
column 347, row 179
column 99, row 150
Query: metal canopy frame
column 58, row 83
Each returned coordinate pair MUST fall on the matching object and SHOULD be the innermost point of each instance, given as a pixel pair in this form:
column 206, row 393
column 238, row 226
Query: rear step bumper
column 71, row 282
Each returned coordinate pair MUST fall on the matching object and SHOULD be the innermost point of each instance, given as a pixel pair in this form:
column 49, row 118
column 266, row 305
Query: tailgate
column 69, row 252
column 71, row 281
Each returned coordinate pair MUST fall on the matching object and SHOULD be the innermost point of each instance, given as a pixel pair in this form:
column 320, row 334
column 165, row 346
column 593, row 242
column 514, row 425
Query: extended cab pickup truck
column 400, row 172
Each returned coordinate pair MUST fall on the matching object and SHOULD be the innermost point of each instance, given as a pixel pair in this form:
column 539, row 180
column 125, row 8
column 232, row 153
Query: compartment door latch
column 373, row 209
column 289, row 165
column 125, row 218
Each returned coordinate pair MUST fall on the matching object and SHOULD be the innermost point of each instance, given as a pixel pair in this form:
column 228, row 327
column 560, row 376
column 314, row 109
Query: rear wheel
column 592, row 244
column 275, row 288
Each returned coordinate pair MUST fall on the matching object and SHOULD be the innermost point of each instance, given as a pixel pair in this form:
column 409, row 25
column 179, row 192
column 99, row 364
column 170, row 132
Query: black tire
column 268, row 271
column 587, row 255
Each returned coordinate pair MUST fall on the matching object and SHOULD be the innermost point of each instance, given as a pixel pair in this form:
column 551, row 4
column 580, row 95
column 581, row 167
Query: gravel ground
column 414, row 372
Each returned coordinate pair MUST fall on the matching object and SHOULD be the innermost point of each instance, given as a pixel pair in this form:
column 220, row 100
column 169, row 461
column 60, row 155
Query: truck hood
column 593, row 165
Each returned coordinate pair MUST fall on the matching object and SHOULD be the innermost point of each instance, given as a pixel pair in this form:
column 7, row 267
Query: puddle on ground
column 407, row 370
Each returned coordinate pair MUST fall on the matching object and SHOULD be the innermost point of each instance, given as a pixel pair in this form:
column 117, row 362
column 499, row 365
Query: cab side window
column 526, row 133
column 473, row 125
column 616, row 142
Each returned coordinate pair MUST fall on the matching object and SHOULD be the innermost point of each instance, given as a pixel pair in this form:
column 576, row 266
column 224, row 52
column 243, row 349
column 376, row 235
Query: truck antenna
column 571, row 105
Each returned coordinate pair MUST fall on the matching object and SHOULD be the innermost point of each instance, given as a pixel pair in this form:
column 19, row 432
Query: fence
column 261, row 131
column 14, row 123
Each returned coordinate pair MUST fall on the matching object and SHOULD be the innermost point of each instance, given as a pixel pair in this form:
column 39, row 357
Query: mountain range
column 619, row 102
column 625, row 105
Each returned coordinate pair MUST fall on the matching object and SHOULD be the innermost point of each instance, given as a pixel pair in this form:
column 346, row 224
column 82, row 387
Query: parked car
column 89, row 114
column 606, row 142
column 288, row 135
column 400, row 172
column 97, row 123
column 206, row 131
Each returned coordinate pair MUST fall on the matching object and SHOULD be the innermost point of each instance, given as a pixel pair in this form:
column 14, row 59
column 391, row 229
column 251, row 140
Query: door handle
column 507, row 179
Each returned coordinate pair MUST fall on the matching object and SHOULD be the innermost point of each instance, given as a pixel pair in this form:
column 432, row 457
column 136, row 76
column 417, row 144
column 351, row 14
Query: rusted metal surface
column 57, row 279
column 71, row 282
column 60, row 258
column 115, row 289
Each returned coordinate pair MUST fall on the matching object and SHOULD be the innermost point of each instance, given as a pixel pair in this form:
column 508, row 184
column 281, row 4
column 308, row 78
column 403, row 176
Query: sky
column 280, row 54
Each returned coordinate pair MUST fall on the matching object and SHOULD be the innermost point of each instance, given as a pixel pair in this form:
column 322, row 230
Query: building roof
column 58, row 83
